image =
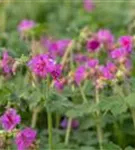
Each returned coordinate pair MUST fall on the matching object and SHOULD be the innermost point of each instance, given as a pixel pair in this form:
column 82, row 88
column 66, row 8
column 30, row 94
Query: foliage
column 67, row 19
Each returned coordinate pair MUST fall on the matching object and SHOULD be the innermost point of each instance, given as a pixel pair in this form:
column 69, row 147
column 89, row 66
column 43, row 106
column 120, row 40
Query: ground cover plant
column 67, row 76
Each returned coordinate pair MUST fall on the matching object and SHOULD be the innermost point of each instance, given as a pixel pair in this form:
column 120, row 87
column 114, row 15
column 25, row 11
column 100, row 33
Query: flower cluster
column 118, row 58
column 103, row 38
column 10, row 119
column 42, row 65
column 80, row 58
column 122, row 55
column 24, row 138
column 26, row 25
column 93, row 45
column 55, row 47
column 80, row 74
column 6, row 63
column 88, row 5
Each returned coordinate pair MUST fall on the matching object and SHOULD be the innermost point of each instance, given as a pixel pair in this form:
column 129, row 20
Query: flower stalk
column 49, row 117
column 57, row 120
column 98, row 123
column 69, row 126
column 83, row 94
column 34, row 117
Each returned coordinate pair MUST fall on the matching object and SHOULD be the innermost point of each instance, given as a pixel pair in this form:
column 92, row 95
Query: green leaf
column 130, row 99
column 129, row 148
column 58, row 103
column 115, row 104
column 86, row 123
column 111, row 146
column 87, row 148
column 81, row 109
column 87, row 138
column 38, row 30
column 5, row 94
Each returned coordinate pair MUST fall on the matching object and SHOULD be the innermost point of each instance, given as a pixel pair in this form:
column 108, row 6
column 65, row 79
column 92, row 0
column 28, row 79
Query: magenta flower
column 26, row 25
column 61, row 47
column 25, row 138
column 74, row 123
column 80, row 74
column 59, row 85
column 55, row 48
column 6, row 66
column 80, row 58
column 92, row 63
column 42, row 65
column 106, row 73
column 88, row 5
column 105, row 36
column 128, row 64
column 118, row 53
column 10, row 119
column 56, row 71
column 126, row 42
column 93, row 45
column 111, row 66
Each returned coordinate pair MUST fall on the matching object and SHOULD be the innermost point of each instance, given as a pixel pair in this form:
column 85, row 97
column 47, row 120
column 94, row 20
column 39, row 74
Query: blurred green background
column 63, row 19
column 66, row 17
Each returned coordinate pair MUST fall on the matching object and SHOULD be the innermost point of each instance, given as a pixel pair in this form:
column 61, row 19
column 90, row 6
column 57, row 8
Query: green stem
column 57, row 120
column 68, row 131
column 34, row 117
column 133, row 116
column 127, row 90
column 98, row 123
column 83, row 95
column 118, row 134
column 49, row 116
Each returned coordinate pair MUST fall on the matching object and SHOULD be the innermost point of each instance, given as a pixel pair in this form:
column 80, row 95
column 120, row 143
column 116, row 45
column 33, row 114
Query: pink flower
column 80, row 58
column 55, row 48
column 56, row 72
column 10, row 119
column 26, row 25
column 128, row 64
column 74, row 123
column 105, row 36
column 92, row 63
column 118, row 53
column 106, row 73
column 5, row 63
column 42, row 65
column 80, row 74
column 88, row 5
column 62, row 45
column 126, row 42
column 59, row 85
column 25, row 138
column 93, row 45
column 111, row 66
